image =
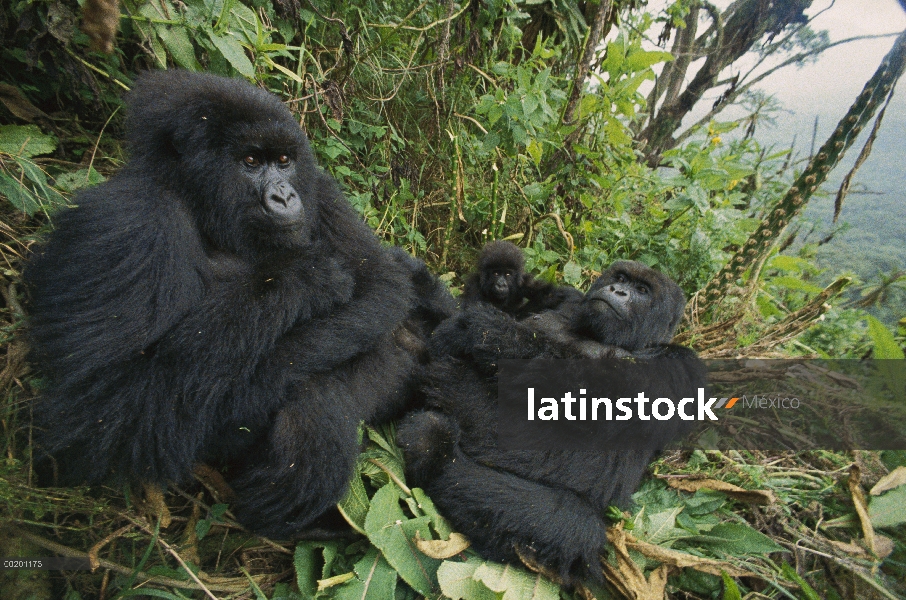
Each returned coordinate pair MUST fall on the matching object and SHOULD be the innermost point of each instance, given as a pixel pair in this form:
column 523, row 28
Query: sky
column 826, row 89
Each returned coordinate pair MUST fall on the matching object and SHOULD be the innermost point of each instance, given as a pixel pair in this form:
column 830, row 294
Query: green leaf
column 807, row 591
column 535, row 150
column 177, row 42
column 354, row 505
column 374, row 580
column 202, row 527
column 794, row 283
column 243, row 19
column 885, row 346
column 888, row 509
column 306, row 570
column 441, row 526
column 389, row 529
column 515, row 583
column 233, row 51
column 731, row 590
column 736, row 538
column 529, row 104
column 572, row 272
column 76, row 180
column 457, row 582
column 788, row 263
column 642, row 59
column 661, row 527
column 18, row 196
column 25, row 141
column 306, row 561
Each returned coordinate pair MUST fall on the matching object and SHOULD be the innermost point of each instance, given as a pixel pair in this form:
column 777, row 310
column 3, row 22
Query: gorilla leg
column 428, row 439
column 507, row 517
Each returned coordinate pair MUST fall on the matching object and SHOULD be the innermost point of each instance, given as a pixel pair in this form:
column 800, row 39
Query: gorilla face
column 236, row 153
column 632, row 306
column 498, row 283
column 266, row 182
column 500, row 273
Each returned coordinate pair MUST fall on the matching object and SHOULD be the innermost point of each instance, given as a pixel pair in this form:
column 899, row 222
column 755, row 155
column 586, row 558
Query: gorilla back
column 218, row 299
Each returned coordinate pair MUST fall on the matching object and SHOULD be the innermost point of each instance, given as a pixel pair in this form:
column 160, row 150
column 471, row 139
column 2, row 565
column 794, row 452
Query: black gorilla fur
column 501, row 281
column 217, row 300
column 542, row 506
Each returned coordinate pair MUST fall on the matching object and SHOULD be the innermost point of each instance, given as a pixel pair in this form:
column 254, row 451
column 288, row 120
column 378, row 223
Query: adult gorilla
column 546, row 507
column 217, row 300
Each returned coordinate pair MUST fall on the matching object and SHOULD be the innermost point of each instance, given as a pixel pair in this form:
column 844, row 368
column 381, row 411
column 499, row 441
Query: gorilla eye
column 283, row 159
column 251, row 161
column 620, row 278
column 643, row 289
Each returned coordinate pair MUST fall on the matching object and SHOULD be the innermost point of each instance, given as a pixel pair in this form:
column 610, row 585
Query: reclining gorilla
column 545, row 507
column 217, row 300
column 501, row 281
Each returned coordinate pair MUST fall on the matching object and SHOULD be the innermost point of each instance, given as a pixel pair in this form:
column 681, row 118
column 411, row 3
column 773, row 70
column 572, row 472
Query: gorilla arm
column 381, row 299
column 486, row 335
column 110, row 297
column 310, row 450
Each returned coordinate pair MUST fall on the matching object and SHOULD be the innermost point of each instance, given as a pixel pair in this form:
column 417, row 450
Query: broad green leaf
column 736, row 538
column 440, row 524
column 515, row 583
column 306, row 561
column 642, row 59
column 572, row 272
column 25, row 141
column 18, row 196
column 885, row 346
column 76, row 180
column 616, row 133
column 661, row 527
column 233, row 51
column 176, row 40
column 888, row 509
column 43, row 192
column 305, row 564
column 157, row 48
column 457, row 582
column 390, row 530
column 529, row 104
column 202, row 527
column 374, row 579
column 245, row 25
column 354, row 505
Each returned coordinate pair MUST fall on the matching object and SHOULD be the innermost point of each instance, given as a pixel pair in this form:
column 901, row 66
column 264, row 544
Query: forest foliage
column 450, row 124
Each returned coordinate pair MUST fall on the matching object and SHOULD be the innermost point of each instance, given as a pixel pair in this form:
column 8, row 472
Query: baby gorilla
column 543, row 507
column 501, row 281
